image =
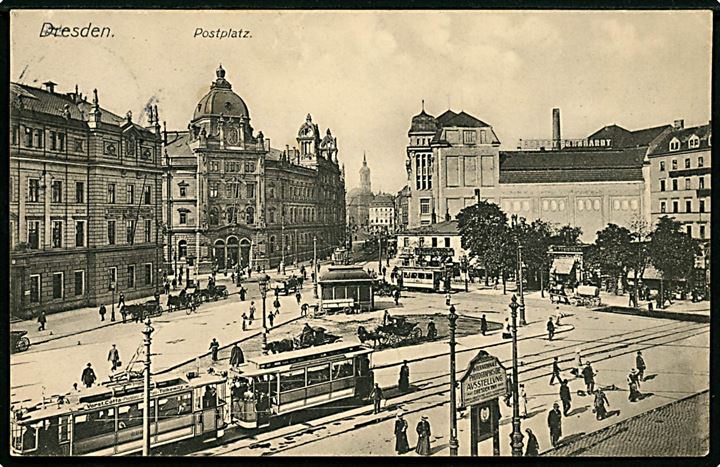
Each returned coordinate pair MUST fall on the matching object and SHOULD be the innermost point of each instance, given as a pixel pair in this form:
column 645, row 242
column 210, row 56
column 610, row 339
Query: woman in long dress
column 423, row 431
column 401, row 440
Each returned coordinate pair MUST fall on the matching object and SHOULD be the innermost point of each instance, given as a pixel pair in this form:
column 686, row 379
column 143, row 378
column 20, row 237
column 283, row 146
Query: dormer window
column 694, row 142
column 674, row 144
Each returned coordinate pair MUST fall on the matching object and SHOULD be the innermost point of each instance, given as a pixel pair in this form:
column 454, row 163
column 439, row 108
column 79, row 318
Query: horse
column 283, row 345
column 364, row 335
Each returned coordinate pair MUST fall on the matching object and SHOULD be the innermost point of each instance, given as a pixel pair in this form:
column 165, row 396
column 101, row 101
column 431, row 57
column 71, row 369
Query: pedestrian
column 103, row 310
column 123, row 313
column 633, row 386
column 401, row 440
column 174, row 284
column 298, row 296
column 236, row 356
column 214, row 347
column 589, row 377
column 271, row 318
column 244, row 322
column 384, row 271
column 397, row 296
column 121, row 300
column 555, row 371
column 533, row 447
column 276, row 304
column 554, row 421
column 565, row 397
column 277, row 292
column 404, row 380
column 377, row 396
column 447, row 298
column 303, row 272
column 423, row 431
column 600, row 401
column 42, row 320
column 242, row 292
column 166, row 286
column 232, row 277
column 114, row 358
column 88, row 376
column 507, row 331
column 304, row 309
column 523, row 401
column 640, row 365
column 483, row 325
column 550, row 328
column 252, row 310
column 431, row 330
column 577, row 371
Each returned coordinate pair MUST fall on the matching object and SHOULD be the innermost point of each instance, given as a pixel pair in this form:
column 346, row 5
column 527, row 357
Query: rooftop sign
column 549, row 144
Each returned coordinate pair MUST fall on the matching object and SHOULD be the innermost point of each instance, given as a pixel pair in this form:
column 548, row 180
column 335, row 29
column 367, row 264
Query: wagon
column 587, row 295
column 286, row 287
column 141, row 311
column 397, row 332
column 213, row 293
column 176, row 302
column 19, row 342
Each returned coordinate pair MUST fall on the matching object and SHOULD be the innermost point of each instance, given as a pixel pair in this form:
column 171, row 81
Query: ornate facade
column 232, row 199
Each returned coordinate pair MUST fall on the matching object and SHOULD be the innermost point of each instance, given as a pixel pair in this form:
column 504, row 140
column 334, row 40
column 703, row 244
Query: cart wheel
column 417, row 334
column 347, row 310
column 188, row 310
column 23, row 344
column 160, row 309
column 225, row 293
column 215, row 298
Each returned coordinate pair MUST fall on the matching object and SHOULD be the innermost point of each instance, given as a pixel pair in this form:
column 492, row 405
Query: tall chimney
column 556, row 128
column 679, row 124
column 50, row 86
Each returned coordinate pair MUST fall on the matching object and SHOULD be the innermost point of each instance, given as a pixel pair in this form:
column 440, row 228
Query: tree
column 611, row 252
column 672, row 252
column 483, row 230
column 567, row 235
column 639, row 256
column 536, row 242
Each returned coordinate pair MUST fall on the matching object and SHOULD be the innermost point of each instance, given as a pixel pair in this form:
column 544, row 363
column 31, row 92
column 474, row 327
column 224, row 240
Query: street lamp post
column 146, row 395
column 315, row 266
column 379, row 254
column 452, row 318
column 516, row 436
column 112, row 307
column 263, row 283
column 519, row 275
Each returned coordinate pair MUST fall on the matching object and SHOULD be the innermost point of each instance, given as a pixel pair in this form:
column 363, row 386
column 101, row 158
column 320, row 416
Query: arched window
column 250, row 215
column 214, row 216
column 182, row 249
column 231, row 215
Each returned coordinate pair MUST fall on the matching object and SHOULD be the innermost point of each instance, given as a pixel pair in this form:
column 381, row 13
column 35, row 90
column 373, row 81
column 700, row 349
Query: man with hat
column 88, row 376
column 640, row 365
column 554, row 421
column 401, row 440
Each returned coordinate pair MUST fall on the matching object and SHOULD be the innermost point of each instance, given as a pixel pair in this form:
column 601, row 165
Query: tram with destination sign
column 107, row 420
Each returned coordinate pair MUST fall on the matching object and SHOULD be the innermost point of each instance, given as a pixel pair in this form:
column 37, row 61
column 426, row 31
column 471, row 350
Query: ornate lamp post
column 315, row 268
column 146, row 396
column 516, row 436
column 263, row 283
column 452, row 318
column 519, row 277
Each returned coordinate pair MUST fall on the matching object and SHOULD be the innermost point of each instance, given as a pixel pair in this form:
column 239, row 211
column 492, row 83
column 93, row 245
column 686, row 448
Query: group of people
column 88, row 376
column 423, row 433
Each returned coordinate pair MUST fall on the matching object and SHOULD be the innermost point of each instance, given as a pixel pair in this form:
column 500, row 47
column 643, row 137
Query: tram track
column 539, row 368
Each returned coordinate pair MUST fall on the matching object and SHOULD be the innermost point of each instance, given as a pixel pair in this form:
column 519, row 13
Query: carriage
column 287, row 286
column 184, row 300
column 213, row 293
column 19, row 342
column 309, row 337
column 587, row 295
column 385, row 289
column 397, row 331
column 142, row 311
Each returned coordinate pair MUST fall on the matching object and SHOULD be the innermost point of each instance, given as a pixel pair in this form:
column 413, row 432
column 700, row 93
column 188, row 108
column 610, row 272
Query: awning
column 650, row 273
column 562, row 265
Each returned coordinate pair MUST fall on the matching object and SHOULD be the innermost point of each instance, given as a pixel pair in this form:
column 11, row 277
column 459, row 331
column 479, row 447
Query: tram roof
column 276, row 361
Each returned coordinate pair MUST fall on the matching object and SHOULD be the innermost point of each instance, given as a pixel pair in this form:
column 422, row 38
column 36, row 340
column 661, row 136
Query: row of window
column 688, row 184
column 57, row 233
column 674, row 163
column 688, row 206
column 129, row 194
column 130, row 229
column 693, row 142
column 233, row 190
column 433, row 242
column 36, row 138
column 701, row 230
column 423, row 171
column 232, row 166
column 78, row 284
column 56, row 191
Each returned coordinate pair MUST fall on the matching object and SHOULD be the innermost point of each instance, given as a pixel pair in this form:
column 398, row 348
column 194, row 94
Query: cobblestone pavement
column 677, row 429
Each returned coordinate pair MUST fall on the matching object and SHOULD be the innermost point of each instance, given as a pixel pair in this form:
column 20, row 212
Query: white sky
column 363, row 74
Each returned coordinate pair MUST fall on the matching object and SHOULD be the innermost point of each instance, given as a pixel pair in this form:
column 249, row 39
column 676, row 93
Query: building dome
column 221, row 100
column 423, row 122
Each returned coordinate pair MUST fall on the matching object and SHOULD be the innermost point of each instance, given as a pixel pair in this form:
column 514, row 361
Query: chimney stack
column 679, row 124
column 50, row 86
column 556, row 128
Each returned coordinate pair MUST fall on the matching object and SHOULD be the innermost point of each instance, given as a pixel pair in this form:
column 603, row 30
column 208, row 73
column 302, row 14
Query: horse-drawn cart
column 309, row 337
column 19, row 342
column 587, row 295
column 397, row 331
column 142, row 311
column 213, row 293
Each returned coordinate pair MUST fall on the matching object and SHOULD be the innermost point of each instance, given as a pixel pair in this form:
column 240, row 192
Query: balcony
column 689, row 172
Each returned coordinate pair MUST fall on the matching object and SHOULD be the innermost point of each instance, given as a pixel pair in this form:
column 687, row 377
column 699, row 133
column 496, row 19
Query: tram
column 341, row 256
column 429, row 279
column 108, row 420
column 274, row 385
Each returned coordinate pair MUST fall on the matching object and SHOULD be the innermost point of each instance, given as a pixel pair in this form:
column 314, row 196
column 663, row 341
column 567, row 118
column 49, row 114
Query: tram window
column 292, row 380
column 173, row 406
column 210, row 397
column 95, row 423
column 24, row 438
column 130, row 415
column 342, row 369
column 413, row 275
column 318, row 374
column 63, row 429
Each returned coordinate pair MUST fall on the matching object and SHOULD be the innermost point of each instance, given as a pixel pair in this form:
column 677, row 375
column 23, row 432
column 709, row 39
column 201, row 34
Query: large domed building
column 233, row 200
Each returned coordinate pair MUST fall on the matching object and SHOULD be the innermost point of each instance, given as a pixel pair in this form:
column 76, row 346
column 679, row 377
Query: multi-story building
column 680, row 174
column 443, row 237
column 85, row 202
column 382, row 213
column 232, row 199
column 589, row 182
column 402, row 200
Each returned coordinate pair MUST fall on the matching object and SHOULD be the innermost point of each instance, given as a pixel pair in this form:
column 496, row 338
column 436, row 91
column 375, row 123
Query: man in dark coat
column 589, row 377
column 401, row 440
column 242, row 293
column 88, row 376
column 555, row 371
column 554, row 421
column 404, row 380
column 397, row 297
column 114, row 358
column 214, row 347
column 640, row 365
column 42, row 320
column 550, row 329
column 236, row 356
column 483, row 325
column 103, row 310
column 600, row 402
column 377, row 396
column 565, row 396
column 533, row 447
column 423, row 431
column 121, row 300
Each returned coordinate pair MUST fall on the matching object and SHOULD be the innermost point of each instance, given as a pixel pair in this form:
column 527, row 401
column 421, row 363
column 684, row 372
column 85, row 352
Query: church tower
column 365, row 185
